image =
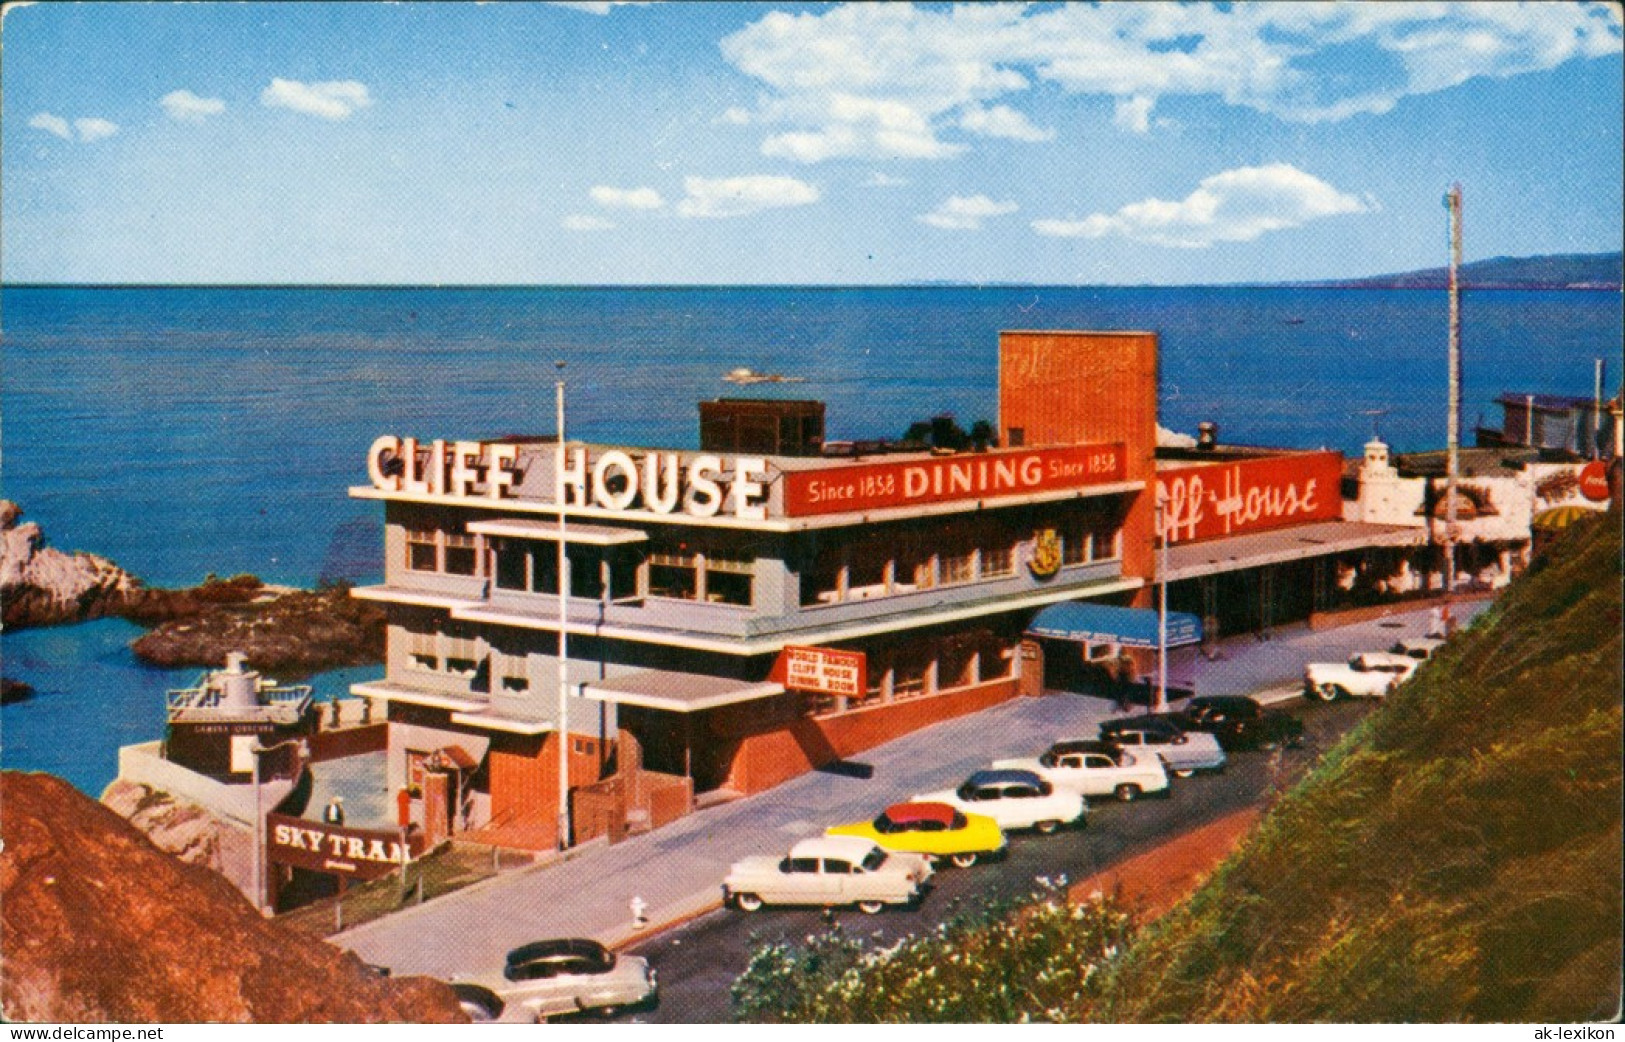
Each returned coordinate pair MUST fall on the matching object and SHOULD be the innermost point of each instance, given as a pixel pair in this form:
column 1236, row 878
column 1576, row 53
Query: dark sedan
column 1239, row 722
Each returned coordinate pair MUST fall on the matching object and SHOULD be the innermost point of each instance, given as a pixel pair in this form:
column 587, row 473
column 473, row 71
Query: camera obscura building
column 736, row 618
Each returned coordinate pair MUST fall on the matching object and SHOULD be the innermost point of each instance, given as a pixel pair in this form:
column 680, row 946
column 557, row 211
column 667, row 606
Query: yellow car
column 933, row 829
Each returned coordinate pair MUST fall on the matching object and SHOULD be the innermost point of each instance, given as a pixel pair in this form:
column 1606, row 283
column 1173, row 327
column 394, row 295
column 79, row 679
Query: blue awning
column 1107, row 624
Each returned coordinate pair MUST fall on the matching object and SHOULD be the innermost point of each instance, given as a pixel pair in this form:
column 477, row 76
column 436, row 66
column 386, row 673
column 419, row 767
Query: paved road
column 697, row 963
column 677, row 870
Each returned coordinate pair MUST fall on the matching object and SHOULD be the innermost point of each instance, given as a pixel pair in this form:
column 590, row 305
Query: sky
column 675, row 143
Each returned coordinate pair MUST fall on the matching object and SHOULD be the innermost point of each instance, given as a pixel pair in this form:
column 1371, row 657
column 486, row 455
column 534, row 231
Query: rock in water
column 98, row 926
column 40, row 586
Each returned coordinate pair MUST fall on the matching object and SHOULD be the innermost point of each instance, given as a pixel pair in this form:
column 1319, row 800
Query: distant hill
column 1554, row 271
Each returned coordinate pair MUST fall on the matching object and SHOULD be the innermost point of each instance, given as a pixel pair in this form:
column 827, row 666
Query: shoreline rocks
column 295, row 632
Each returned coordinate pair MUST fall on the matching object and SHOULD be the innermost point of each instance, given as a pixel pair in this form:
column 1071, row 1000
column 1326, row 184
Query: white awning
column 587, row 535
column 678, row 692
column 1297, row 543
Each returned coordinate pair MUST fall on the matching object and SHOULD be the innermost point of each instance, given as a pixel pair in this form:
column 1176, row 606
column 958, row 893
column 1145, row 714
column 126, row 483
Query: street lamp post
column 257, row 750
column 1452, row 202
column 1162, row 612
column 563, row 731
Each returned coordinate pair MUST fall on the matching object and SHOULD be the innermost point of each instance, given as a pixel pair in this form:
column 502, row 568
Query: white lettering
column 574, row 475
column 412, row 479
column 465, row 460
column 915, row 482
column 437, row 468
column 388, row 445
column 499, row 468
column 1032, row 471
column 614, row 460
column 745, row 488
column 661, row 496
column 282, row 834
column 704, row 497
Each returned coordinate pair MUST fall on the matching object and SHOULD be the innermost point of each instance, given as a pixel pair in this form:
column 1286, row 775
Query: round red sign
column 1594, row 480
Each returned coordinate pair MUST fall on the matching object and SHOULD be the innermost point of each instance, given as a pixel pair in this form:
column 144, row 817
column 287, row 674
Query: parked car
column 829, row 870
column 933, row 829
column 1239, row 722
column 1367, row 674
column 1419, row 648
column 548, row 978
column 1183, row 752
column 1016, row 799
column 1091, row 767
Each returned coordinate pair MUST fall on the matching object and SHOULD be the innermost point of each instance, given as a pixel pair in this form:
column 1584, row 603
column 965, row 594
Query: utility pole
column 1453, row 203
column 1162, row 608
column 563, row 730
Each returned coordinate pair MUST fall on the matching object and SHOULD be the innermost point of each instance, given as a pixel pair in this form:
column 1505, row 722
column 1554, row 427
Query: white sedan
column 1014, row 799
column 1093, row 768
column 829, row 870
column 1368, row 674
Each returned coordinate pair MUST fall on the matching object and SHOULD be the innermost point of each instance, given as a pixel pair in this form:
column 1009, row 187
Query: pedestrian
column 334, row 814
column 1436, row 622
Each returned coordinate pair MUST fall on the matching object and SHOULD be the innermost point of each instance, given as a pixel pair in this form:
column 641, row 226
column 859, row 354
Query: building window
column 462, row 655
column 728, row 578
column 997, row 561
column 1016, row 437
column 462, row 553
column 422, row 550
column 674, row 575
column 513, row 563
column 518, row 685
column 424, row 651
column 1077, row 548
column 958, row 568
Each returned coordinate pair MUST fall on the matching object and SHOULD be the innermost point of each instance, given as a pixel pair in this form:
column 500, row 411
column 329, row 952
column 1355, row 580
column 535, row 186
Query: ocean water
column 183, row 431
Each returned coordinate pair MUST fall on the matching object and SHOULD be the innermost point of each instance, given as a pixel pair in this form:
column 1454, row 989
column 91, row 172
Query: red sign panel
column 355, row 853
column 825, row 671
column 1594, row 481
column 1214, row 500
column 968, row 476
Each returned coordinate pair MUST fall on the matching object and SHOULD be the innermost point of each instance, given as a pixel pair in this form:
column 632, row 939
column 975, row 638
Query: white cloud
column 1233, row 206
column 880, row 179
column 627, row 198
column 1134, row 113
column 52, row 125
column 88, row 128
column 887, row 80
column 1003, row 121
column 93, row 128
column 577, row 222
column 331, row 100
column 966, row 212
column 187, row 107
column 737, row 196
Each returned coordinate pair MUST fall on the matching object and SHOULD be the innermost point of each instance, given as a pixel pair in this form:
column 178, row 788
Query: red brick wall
column 774, row 757
column 524, row 773
column 1077, row 388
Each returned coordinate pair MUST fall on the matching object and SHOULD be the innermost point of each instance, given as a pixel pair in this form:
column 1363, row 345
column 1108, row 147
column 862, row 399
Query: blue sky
column 769, row 143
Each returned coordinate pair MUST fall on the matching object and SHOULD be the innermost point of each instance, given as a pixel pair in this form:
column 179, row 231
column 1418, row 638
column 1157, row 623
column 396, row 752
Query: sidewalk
column 678, row 869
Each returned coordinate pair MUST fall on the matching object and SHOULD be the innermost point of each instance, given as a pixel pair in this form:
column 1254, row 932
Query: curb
column 680, row 913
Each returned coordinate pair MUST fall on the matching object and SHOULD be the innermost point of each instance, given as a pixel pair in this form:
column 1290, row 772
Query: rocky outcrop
column 183, row 829
column 43, row 586
column 295, row 634
column 40, row 586
column 99, row 926
column 14, row 691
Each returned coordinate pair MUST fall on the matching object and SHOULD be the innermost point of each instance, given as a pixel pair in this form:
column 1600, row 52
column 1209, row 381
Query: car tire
column 1329, row 692
column 962, row 860
column 871, row 907
column 1127, row 793
column 1048, row 826
column 747, row 902
column 1185, row 772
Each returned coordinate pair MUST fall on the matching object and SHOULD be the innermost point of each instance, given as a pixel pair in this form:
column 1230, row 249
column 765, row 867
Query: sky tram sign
column 333, row 849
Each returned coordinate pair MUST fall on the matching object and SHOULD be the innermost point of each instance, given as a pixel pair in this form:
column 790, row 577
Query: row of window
column 863, row 570
column 460, row 656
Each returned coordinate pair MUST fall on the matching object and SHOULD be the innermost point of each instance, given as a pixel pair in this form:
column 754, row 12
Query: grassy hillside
column 1456, row 858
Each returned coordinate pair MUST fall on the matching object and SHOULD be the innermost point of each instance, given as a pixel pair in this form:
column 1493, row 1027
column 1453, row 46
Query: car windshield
column 876, row 858
column 886, row 826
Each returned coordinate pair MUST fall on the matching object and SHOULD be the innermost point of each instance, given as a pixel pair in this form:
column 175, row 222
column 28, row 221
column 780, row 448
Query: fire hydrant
column 640, row 913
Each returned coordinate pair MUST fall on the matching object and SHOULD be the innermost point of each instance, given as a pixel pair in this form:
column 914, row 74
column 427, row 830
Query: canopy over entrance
column 1108, row 624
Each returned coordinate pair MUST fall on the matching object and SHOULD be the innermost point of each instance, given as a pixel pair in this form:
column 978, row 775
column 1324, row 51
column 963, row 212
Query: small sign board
column 1594, row 481
column 825, row 671
column 333, row 849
